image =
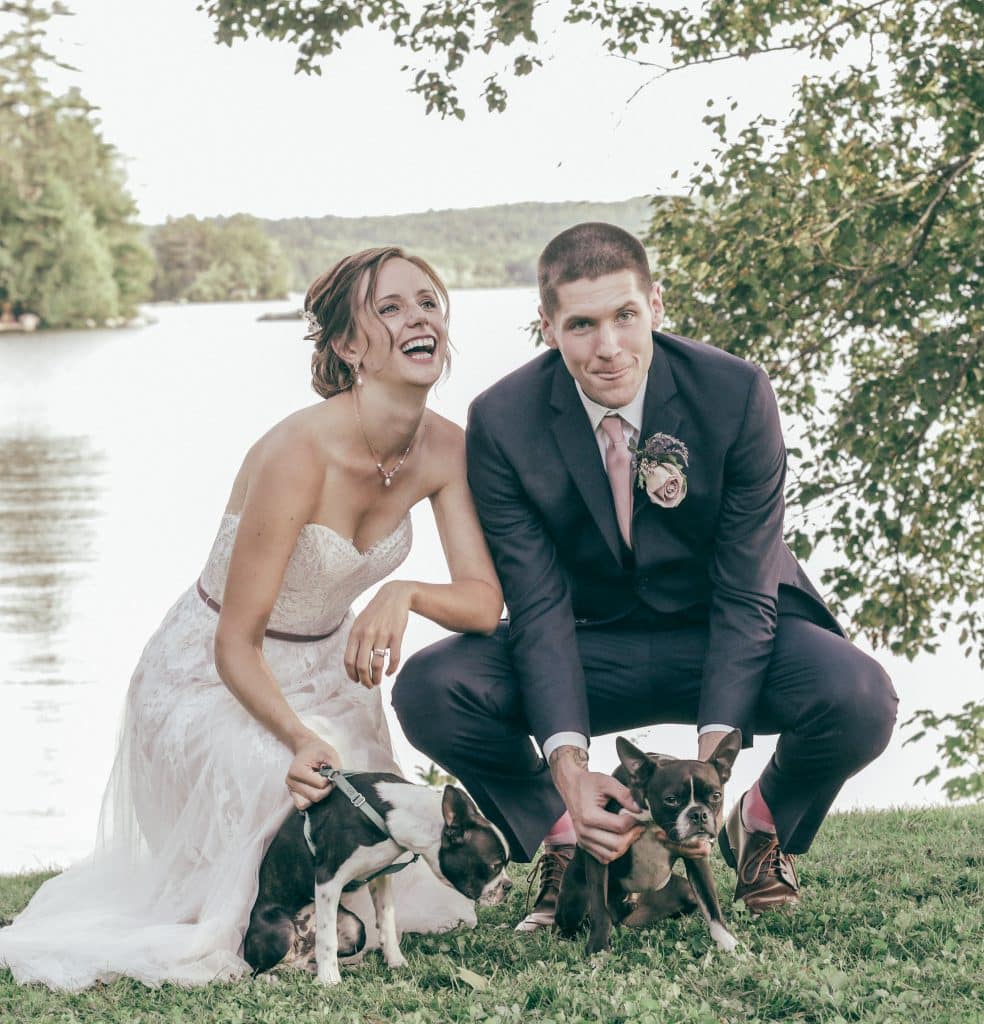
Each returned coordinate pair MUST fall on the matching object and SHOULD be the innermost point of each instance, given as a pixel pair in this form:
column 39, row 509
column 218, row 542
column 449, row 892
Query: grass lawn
column 891, row 930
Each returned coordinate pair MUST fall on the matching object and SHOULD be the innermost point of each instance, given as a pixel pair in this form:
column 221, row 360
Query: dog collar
column 341, row 781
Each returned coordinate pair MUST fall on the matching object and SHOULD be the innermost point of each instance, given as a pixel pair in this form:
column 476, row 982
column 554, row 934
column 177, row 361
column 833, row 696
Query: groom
column 639, row 594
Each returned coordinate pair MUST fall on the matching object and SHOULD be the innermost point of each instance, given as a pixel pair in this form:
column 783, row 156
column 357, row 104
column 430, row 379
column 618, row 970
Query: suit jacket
column 545, row 504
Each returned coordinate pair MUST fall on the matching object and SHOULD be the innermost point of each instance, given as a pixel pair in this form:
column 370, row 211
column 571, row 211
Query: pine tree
column 70, row 248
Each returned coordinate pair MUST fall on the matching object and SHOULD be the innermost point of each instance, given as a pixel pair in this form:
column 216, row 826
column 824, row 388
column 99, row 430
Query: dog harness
column 340, row 780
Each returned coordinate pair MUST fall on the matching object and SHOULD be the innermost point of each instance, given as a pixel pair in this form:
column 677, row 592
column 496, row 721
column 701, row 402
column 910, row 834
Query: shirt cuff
column 714, row 727
column 563, row 739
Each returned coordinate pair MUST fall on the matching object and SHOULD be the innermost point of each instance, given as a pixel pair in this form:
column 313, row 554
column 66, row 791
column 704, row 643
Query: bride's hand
column 379, row 627
column 305, row 784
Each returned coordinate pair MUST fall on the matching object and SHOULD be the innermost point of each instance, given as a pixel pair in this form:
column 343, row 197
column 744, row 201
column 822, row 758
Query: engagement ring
column 377, row 653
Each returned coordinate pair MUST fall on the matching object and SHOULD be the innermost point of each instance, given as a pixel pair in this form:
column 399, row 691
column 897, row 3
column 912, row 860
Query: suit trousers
column 833, row 707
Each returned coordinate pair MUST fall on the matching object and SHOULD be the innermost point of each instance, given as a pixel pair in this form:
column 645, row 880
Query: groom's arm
column 745, row 565
column 544, row 646
column 541, row 619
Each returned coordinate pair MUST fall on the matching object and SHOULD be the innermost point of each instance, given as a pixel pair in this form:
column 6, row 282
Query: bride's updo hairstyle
column 333, row 310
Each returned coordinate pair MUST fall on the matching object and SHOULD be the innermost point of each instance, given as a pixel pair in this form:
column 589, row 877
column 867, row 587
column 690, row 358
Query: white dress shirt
column 631, row 418
column 632, row 429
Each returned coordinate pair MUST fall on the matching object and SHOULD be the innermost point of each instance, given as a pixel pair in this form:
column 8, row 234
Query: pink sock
column 755, row 812
column 561, row 832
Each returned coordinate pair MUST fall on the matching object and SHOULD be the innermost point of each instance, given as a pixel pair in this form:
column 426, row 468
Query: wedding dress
column 198, row 789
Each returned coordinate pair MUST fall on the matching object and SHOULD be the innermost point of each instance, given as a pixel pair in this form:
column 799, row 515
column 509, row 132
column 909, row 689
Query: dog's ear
column 458, row 811
column 725, row 753
column 634, row 761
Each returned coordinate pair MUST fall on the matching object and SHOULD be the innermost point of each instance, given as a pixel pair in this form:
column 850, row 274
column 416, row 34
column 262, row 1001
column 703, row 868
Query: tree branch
column 924, row 226
column 958, row 376
column 818, row 36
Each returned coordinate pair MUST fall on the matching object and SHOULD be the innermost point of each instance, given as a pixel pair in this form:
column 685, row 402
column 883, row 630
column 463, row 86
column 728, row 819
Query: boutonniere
column 660, row 466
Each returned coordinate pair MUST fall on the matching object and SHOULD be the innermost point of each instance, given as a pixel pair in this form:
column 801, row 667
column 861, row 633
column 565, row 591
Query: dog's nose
column 700, row 816
column 495, row 891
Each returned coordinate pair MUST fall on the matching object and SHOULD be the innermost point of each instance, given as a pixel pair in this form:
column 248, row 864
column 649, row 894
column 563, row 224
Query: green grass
column 891, row 930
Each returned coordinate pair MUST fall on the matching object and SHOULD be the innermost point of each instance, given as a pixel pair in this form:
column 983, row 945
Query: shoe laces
column 782, row 865
column 550, row 867
column 772, row 861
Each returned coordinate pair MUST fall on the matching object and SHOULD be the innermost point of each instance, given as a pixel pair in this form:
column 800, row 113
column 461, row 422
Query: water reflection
column 51, row 488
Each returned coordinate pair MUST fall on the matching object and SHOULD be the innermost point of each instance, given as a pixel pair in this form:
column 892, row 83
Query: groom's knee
column 875, row 709
column 419, row 694
column 863, row 705
column 450, row 691
column 428, row 695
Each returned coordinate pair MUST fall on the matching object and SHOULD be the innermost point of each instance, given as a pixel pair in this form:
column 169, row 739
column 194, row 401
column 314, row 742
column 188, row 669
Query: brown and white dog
column 682, row 805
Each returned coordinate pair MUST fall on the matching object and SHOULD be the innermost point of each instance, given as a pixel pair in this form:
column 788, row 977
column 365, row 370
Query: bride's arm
column 470, row 603
column 283, row 487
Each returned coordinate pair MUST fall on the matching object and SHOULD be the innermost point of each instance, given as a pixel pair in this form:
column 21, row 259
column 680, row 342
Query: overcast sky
column 208, row 129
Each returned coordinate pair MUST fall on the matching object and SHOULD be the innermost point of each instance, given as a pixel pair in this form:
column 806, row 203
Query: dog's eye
column 715, row 798
column 671, row 801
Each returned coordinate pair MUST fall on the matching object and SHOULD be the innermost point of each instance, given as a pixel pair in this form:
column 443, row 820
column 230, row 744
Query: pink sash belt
column 273, row 634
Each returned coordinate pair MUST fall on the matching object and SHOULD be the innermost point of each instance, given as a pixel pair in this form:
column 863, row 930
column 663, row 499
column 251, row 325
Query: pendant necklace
column 387, row 475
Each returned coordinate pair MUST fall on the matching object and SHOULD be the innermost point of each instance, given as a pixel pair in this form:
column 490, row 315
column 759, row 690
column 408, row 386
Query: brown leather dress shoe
column 550, row 868
column 766, row 876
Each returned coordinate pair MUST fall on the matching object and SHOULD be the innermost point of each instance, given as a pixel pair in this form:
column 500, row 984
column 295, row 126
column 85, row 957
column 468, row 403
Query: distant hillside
column 485, row 247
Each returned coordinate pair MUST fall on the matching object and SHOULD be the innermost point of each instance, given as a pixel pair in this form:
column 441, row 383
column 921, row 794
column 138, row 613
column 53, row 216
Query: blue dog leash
column 340, row 780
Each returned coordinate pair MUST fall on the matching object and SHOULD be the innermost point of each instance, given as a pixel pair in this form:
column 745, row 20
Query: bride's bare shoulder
column 444, row 436
column 290, row 454
column 445, row 446
column 294, row 434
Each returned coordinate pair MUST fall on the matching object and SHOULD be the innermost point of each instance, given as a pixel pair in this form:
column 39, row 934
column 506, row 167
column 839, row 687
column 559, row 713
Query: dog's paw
column 724, row 939
column 396, row 961
column 597, row 945
column 329, row 974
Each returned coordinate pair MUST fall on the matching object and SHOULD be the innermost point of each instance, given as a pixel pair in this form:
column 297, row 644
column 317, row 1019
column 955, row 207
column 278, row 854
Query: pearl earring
column 358, row 377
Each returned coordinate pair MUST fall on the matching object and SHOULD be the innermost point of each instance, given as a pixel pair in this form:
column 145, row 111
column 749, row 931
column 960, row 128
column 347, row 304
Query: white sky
column 211, row 130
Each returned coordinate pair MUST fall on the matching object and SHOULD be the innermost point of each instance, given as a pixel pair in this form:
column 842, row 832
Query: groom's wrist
column 567, row 764
column 562, row 739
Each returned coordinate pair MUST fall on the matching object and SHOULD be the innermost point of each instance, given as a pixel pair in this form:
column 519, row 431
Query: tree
column 840, row 250
column 443, row 34
column 435, row 778
column 217, row 260
column 70, row 249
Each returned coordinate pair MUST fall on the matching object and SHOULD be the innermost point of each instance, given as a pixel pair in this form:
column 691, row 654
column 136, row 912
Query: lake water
column 117, row 452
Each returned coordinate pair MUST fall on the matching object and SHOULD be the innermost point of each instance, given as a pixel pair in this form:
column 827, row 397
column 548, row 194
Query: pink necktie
column 618, row 462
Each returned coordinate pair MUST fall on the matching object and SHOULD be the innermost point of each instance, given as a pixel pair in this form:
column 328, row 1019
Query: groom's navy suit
column 708, row 618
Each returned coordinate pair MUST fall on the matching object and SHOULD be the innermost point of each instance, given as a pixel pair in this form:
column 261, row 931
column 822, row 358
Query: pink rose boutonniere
column 661, row 469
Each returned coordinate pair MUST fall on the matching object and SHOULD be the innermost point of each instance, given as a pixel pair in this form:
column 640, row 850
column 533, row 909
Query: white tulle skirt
column 196, row 793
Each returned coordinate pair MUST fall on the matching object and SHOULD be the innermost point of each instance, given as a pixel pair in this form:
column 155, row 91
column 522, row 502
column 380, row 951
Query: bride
column 260, row 674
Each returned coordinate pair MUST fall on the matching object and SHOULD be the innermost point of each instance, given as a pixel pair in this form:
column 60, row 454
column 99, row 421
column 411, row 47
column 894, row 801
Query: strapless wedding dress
column 198, row 789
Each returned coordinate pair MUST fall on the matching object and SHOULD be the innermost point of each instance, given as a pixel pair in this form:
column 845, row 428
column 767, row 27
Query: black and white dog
column 344, row 849
column 682, row 805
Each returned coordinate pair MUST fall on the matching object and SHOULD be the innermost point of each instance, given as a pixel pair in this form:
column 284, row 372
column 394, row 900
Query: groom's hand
column 604, row 835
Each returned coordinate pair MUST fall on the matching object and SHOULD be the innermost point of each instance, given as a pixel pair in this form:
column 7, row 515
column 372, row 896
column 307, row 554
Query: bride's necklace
column 386, row 474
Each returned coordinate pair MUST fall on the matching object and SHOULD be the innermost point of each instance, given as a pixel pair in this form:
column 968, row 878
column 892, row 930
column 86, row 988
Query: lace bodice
column 325, row 574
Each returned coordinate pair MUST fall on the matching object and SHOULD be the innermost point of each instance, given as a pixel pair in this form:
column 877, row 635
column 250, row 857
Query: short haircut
column 589, row 250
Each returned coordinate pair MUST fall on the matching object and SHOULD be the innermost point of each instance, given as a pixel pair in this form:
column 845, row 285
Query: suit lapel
column 579, row 450
column 660, row 414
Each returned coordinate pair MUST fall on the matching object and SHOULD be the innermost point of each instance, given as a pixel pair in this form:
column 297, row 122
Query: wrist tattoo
column 576, row 754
